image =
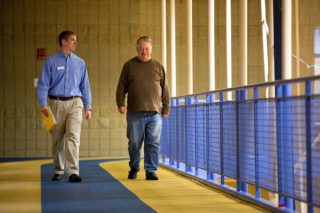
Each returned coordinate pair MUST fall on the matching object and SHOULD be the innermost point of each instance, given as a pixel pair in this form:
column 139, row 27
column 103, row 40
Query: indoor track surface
column 26, row 186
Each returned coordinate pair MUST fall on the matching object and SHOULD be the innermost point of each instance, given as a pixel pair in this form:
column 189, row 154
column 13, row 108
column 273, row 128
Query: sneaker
column 56, row 177
column 74, row 178
column 133, row 174
column 151, row 176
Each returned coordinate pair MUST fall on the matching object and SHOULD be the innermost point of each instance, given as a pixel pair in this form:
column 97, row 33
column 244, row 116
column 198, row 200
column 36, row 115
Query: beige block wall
column 107, row 31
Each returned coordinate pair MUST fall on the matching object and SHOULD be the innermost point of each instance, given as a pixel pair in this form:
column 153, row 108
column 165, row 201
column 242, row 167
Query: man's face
column 70, row 44
column 144, row 50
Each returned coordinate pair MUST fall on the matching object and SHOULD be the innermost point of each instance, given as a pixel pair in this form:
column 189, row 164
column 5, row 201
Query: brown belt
column 63, row 98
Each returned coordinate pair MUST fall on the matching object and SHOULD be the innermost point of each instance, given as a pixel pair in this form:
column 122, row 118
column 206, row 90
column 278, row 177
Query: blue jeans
column 144, row 126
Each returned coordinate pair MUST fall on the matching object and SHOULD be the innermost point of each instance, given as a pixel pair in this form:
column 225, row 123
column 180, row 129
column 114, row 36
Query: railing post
column 162, row 141
column 309, row 146
column 188, row 101
column 210, row 175
column 278, row 122
column 171, row 162
column 284, row 139
column 196, row 101
column 289, row 203
column 256, row 148
column 240, row 95
column 221, row 137
column 178, row 164
column 237, row 142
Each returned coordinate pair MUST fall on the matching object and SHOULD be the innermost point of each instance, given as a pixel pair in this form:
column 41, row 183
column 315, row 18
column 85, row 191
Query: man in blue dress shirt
column 64, row 86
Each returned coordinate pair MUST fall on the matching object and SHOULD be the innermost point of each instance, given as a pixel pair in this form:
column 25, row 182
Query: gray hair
column 144, row 38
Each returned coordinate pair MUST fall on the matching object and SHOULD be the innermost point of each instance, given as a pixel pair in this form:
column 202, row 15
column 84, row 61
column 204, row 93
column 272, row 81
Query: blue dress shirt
column 64, row 76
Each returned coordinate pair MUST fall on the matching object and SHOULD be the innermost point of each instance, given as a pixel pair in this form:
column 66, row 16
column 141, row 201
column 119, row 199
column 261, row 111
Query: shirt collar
column 62, row 54
column 137, row 58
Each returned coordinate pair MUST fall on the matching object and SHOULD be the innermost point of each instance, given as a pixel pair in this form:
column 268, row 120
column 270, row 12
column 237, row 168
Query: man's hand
column 164, row 115
column 88, row 114
column 122, row 109
column 44, row 110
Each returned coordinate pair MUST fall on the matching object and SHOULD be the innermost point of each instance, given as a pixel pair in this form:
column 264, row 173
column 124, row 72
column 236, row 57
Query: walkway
column 25, row 186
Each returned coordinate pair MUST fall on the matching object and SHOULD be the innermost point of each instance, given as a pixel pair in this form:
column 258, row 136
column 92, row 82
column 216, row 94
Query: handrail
column 267, row 84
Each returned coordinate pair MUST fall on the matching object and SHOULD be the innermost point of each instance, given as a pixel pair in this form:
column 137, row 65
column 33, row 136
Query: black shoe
column 133, row 174
column 56, row 177
column 74, row 178
column 151, row 176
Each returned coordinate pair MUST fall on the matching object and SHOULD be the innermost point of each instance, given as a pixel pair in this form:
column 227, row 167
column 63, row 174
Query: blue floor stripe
column 6, row 160
column 98, row 192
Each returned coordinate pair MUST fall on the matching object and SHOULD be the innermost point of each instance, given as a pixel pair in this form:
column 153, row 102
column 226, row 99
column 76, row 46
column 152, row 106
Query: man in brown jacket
column 144, row 79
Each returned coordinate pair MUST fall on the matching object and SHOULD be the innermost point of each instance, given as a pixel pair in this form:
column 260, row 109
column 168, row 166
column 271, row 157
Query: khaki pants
column 66, row 135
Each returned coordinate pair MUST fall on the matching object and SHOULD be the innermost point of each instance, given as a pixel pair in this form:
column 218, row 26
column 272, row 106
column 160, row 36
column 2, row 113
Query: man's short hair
column 144, row 38
column 65, row 35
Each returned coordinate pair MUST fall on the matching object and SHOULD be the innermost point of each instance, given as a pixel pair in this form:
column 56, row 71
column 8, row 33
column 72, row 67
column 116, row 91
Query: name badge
column 60, row 68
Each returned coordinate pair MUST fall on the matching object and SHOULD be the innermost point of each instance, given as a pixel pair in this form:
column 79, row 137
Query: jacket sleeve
column 122, row 87
column 165, row 93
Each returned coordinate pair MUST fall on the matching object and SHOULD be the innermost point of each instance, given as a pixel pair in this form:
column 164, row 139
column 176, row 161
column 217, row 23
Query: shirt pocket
column 75, row 75
column 58, row 72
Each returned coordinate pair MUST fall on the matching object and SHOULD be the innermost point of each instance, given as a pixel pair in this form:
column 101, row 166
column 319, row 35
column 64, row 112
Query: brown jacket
column 146, row 85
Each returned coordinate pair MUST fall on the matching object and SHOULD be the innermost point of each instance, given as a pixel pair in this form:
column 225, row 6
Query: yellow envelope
column 49, row 121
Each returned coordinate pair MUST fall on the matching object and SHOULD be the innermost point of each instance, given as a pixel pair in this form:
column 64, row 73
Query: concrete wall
column 107, row 31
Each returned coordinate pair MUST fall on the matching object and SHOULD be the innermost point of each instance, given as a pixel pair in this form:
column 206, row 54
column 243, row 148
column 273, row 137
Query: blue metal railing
column 272, row 143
